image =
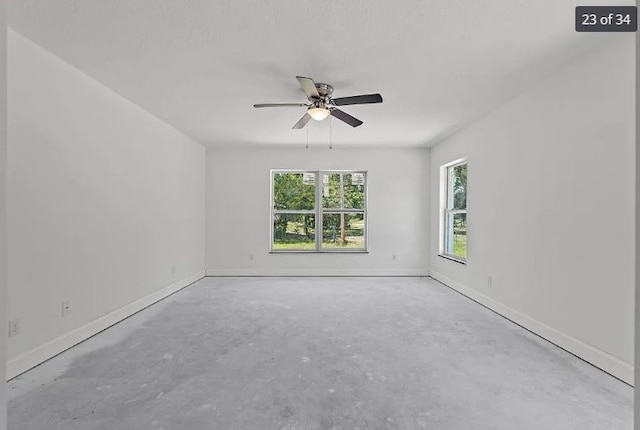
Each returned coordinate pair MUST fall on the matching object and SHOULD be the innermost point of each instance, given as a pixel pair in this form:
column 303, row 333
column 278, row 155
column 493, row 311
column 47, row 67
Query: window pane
column 354, row 190
column 456, row 235
column 294, row 231
column 458, row 187
column 344, row 230
column 331, row 190
column 293, row 191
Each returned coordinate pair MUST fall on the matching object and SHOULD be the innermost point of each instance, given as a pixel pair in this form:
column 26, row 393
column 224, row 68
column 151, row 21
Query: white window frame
column 319, row 211
column 446, row 209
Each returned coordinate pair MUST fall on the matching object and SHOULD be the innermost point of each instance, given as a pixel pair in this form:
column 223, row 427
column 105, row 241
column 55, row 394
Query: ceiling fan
column 321, row 104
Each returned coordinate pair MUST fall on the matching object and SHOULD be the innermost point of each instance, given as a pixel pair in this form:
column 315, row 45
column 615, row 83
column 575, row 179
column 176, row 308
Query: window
column 318, row 211
column 454, row 213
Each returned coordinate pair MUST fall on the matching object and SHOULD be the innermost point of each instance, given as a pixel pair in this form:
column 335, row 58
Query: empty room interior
column 317, row 215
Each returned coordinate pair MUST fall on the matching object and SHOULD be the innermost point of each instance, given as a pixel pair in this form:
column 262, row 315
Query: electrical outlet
column 489, row 281
column 66, row 307
column 14, row 328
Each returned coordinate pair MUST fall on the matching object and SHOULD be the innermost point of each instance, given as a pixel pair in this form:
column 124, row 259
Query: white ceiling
column 200, row 65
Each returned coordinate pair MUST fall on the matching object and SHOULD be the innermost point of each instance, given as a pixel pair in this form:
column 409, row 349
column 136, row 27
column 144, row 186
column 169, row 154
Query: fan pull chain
column 307, row 127
column 330, row 133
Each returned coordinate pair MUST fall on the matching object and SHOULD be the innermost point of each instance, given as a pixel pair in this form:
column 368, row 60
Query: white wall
column 104, row 201
column 551, row 208
column 238, row 211
column 3, row 223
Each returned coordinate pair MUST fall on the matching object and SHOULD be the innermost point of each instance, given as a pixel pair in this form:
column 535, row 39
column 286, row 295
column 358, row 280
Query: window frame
column 446, row 199
column 318, row 211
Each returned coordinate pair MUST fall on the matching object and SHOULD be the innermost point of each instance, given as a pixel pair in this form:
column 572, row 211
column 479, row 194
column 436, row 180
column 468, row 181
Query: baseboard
column 44, row 352
column 315, row 272
column 597, row 357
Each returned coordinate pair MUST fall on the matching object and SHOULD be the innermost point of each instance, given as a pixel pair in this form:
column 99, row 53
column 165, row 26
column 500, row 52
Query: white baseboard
column 42, row 353
column 599, row 358
column 315, row 272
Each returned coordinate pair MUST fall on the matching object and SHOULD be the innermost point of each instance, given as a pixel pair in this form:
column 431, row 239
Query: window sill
column 452, row 258
column 337, row 251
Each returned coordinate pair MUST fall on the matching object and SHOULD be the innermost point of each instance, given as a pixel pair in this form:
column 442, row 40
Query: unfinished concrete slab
column 317, row 353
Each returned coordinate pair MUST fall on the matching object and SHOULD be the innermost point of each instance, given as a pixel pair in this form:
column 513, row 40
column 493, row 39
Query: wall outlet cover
column 66, row 307
column 14, row 327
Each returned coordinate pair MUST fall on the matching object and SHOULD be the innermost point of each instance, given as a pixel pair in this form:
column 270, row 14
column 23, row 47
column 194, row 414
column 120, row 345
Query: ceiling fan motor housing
column 325, row 90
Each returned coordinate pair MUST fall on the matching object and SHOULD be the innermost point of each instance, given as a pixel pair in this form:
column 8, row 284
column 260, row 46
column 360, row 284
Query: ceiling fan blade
column 358, row 100
column 263, row 105
column 343, row 116
column 302, row 121
column 308, row 86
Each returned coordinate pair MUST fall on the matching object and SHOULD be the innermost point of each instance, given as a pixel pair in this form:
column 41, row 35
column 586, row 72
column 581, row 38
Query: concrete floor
column 317, row 353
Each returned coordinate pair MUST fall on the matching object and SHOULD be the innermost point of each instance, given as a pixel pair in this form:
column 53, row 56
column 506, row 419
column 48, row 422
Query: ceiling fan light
column 319, row 113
